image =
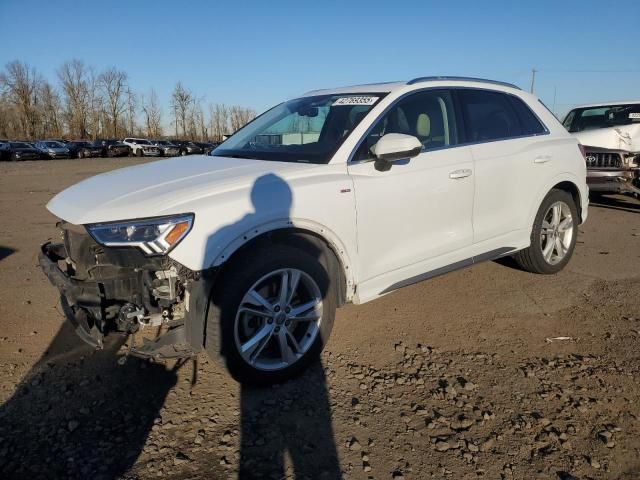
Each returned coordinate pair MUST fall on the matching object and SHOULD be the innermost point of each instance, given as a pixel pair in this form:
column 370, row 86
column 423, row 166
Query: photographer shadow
column 79, row 414
column 286, row 429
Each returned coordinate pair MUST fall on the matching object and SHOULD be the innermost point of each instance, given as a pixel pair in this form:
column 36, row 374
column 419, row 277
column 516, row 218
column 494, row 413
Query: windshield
column 602, row 117
column 19, row 145
column 308, row 129
column 53, row 145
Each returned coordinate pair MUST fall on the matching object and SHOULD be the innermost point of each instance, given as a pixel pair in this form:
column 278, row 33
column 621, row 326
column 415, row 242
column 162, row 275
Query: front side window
column 602, row 117
column 427, row 115
column 308, row 129
column 488, row 116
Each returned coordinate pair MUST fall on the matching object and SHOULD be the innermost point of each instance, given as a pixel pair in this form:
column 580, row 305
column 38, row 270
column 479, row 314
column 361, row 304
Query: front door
column 416, row 217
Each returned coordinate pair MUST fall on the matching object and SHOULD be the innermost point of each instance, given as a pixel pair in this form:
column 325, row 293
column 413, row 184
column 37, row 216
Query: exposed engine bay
column 108, row 289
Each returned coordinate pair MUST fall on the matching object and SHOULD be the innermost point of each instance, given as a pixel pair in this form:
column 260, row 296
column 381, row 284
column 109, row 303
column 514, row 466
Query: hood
column 622, row 137
column 162, row 188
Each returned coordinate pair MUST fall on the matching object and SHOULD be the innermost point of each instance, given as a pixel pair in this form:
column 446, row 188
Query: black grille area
column 604, row 160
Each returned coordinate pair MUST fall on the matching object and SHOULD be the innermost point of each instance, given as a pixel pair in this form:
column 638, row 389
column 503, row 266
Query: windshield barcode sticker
column 355, row 101
column 635, row 115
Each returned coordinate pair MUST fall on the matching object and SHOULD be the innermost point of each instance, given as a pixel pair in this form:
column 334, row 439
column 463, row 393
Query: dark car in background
column 113, row 148
column 187, row 147
column 167, row 148
column 206, row 147
column 14, row 151
column 83, row 149
column 53, row 149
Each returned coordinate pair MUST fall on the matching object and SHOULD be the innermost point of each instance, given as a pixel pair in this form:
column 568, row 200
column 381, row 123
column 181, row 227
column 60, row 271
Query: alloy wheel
column 278, row 319
column 556, row 233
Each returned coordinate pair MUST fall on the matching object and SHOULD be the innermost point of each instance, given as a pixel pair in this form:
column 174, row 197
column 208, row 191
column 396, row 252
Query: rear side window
column 488, row 116
column 528, row 120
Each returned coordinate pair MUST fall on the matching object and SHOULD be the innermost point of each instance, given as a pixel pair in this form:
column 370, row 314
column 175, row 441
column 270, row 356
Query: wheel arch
column 309, row 237
column 568, row 183
column 572, row 189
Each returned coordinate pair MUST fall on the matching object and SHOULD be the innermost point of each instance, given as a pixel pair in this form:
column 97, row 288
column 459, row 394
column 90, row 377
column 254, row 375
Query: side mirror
column 393, row 147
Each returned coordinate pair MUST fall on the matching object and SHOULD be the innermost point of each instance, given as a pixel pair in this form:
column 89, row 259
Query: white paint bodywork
column 429, row 212
column 622, row 137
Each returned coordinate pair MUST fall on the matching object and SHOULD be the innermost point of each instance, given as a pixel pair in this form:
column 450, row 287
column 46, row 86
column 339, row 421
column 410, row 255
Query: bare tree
column 96, row 106
column 197, row 126
column 73, row 76
column 130, row 113
column 240, row 116
column 50, row 111
column 181, row 101
column 113, row 84
column 153, row 115
column 20, row 85
column 219, row 121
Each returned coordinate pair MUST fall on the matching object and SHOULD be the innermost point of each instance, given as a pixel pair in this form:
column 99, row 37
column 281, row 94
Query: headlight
column 154, row 236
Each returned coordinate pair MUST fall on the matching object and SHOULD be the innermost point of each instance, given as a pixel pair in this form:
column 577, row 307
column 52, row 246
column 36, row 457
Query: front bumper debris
column 614, row 181
column 103, row 298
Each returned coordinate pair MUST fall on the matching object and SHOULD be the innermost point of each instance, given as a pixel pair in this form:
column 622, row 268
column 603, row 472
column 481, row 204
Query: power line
column 586, row 71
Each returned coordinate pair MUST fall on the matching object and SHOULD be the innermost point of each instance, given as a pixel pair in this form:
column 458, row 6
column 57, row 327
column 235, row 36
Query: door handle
column 542, row 159
column 456, row 174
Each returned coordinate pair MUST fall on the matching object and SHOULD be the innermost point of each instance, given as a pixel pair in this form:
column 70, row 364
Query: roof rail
column 469, row 79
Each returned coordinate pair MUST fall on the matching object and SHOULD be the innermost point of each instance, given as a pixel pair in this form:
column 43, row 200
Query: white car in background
column 339, row 196
column 141, row 147
column 610, row 133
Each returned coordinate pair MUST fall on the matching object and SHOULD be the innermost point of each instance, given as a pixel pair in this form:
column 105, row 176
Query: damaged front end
column 120, row 289
column 613, row 170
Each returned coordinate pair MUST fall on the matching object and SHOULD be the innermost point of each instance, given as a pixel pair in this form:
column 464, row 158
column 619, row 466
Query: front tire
column 139, row 152
column 272, row 314
column 553, row 236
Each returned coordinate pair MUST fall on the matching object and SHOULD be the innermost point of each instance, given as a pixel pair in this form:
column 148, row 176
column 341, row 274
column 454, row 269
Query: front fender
column 245, row 235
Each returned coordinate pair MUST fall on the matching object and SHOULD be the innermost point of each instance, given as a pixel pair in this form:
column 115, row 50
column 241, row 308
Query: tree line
column 85, row 103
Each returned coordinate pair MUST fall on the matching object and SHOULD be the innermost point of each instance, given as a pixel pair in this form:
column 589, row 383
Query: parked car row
column 11, row 150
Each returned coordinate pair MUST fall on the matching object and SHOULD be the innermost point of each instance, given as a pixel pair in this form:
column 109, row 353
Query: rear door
column 511, row 159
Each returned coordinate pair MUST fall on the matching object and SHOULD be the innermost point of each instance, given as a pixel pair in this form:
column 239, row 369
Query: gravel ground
column 463, row 376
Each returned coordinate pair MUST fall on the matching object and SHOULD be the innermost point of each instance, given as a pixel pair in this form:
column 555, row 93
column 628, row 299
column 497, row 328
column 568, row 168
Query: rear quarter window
column 531, row 125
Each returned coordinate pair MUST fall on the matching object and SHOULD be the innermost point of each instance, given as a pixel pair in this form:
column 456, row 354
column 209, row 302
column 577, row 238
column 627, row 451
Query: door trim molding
column 484, row 257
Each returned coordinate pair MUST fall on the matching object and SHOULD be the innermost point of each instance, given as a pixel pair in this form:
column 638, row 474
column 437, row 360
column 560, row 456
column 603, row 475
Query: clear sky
column 258, row 53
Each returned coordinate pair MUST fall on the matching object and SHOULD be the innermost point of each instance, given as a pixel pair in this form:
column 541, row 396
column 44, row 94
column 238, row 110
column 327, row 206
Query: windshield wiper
column 237, row 155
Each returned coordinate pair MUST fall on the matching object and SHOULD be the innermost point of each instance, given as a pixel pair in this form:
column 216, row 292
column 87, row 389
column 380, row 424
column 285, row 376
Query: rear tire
column 290, row 329
column 553, row 236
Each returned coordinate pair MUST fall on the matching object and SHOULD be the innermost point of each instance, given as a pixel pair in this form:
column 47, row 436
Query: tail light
column 582, row 151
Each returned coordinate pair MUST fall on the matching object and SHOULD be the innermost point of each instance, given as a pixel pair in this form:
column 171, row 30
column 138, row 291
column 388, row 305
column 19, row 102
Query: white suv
column 338, row 196
column 142, row 147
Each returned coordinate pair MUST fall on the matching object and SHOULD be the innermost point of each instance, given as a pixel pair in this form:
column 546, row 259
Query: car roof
column 387, row 87
column 606, row 104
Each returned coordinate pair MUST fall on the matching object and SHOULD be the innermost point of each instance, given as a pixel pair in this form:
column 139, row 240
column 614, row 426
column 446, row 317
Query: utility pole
column 533, row 78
